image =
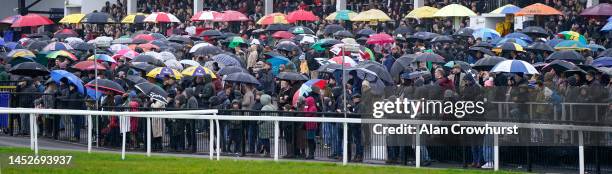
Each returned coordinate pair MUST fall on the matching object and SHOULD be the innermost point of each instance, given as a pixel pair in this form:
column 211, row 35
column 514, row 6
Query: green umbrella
column 235, row 41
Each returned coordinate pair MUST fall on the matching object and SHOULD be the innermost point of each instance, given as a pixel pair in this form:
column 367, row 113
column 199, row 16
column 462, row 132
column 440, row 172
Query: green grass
column 112, row 164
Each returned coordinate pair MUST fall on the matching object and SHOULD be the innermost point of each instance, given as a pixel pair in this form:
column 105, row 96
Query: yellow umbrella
column 371, row 15
column 422, row 12
column 72, row 19
column 134, row 18
column 273, row 18
column 454, row 10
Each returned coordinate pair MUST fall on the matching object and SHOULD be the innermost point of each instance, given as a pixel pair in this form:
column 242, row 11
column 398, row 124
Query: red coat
column 446, row 84
column 310, row 107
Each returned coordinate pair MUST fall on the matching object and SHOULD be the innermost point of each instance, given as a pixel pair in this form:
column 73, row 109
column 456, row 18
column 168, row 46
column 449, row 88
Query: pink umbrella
column 348, row 61
column 31, row 20
column 381, row 38
column 146, row 37
column 301, row 15
column 282, row 35
column 206, row 16
column 130, row 54
column 10, row 19
column 603, row 9
column 231, row 15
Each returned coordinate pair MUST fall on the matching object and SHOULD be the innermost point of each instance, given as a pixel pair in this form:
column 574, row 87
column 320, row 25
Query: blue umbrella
column 58, row 75
column 602, row 62
column 610, row 19
column 554, row 42
column 93, row 94
column 486, row 34
column 608, row 26
column 276, row 62
column 226, row 60
column 514, row 40
column 514, row 66
column 521, row 36
column 13, row 45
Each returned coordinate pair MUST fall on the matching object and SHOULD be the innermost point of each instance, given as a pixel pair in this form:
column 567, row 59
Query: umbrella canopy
column 226, row 59
column 521, row 42
column 136, row 18
column 605, row 53
column 277, row 61
column 301, row 30
column 31, row 20
column 571, row 45
column 454, row 10
column 105, row 85
column 596, row 47
column 98, row 18
column 207, row 50
column 464, row 32
column 88, row 66
column 535, row 31
column 301, row 15
column 161, row 72
column 282, row 35
column 342, row 15
column 273, row 18
column 572, row 35
column 231, row 69
column 287, row 46
column 142, row 66
column 486, row 34
column 58, row 75
column 146, row 37
column 559, row 66
column 62, row 53
column 210, row 33
column 189, row 62
column 569, row 55
column 422, row 12
column 230, row 15
column 519, row 35
column 23, row 53
column 463, row 65
column 135, row 79
column 278, row 27
column 603, row 9
column 235, row 41
column 65, row 33
column 102, row 58
column 371, row 15
column 56, row 46
column 378, row 70
column 426, row 36
column 540, row 46
column 607, row 27
column 161, row 17
column 291, row 76
column 10, row 19
column 381, row 38
column 31, row 69
column 343, row 34
column 442, row 39
column 148, row 59
column 366, row 32
column 538, row 9
column 514, row 66
column 332, row 28
column 207, row 15
column 486, row 63
column 509, row 46
column 429, row 57
column 481, row 49
column 343, row 60
column 153, row 91
column 306, row 88
column 506, row 9
column 72, row 18
column 602, row 62
column 403, row 30
column 198, row 71
column 241, row 77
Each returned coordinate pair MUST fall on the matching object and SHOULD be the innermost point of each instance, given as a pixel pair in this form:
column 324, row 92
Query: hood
column 310, row 102
column 189, row 92
column 265, row 99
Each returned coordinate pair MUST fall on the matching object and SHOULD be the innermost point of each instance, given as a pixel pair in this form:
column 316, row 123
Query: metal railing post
column 345, row 144
column 31, row 131
column 211, row 139
column 123, row 142
column 417, row 149
column 218, row 139
column 35, row 133
column 89, row 133
column 148, row 136
column 581, row 151
column 276, row 144
column 496, row 152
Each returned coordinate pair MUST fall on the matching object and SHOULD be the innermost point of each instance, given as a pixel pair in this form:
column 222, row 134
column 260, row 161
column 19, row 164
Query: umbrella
column 301, row 30
column 135, row 79
column 514, row 66
column 487, row 63
column 464, row 32
column 174, row 64
column 554, row 42
column 56, row 46
column 605, row 53
column 381, row 38
column 106, row 85
column 518, row 35
column 230, row 15
column 539, row 46
column 521, row 42
column 482, row 50
column 58, row 75
column 575, row 70
column 276, row 62
column 425, row 36
column 240, row 77
column 422, row 12
column 88, row 66
column 328, row 67
column 486, row 34
column 287, row 46
column 342, row 15
column 23, row 53
column 226, row 59
column 142, row 66
column 535, row 31
column 10, row 19
column 278, row 27
column 301, row 15
column 148, row 59
column 429, row 57
column 136, row 18
column 401, row 30
column 282, row 35
column 572, row 35
column 371, row 15
column 378, row 70
column 559, row 66
column 189, row 62
column 37, row 45
column 180, row 39
column 401, row 65
column 463, row 65
column 332, row 28
column 607, row 27
column 602, row 62
column 235, row 41
column 207, row 50
column 454, row 10
column 273, row 18
column 509, row 46
column 320, row 45
column 116, row 47
column 603, row 9
column 98, row 18
column 198, row 71
column 343, row 34
column 65, row 33
column 538, row 9
column 367, row 32
column 231, row 69
column 442, row 39
column 343, row 60
column 207, row 15
column 83, row 46
column 31, row 69
column 506, row 9
column 571, row 45
column 291, row 76
column 161, row 17
column 596, row 47
column 62, row 53
column 306, row 88
column 31, row 20
column 210, row 33
column 153, row 91
column 148, row 46
column 569, row 55
column 146, row 37
column 161, row 72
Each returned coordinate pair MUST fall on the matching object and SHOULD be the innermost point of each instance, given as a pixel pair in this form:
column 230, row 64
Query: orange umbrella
column 538, row 9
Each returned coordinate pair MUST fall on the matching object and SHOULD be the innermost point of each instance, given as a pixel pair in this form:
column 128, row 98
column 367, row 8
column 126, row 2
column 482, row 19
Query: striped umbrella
column 342, row 15
column 198, row 71
column 102, row 58
column 161, row 17
column 274, row 18
column 571, row 45
column 63, row 53
column 486, row 34
column 230, row 15
column 136, row 18
column 506, row 9
column 572, row 35
column 206, row 16
column 514, row 66
column 161, row 72
column 226, row 59
column 24, row 53
column 56, row 46
column 72, row 18
column 508, row 46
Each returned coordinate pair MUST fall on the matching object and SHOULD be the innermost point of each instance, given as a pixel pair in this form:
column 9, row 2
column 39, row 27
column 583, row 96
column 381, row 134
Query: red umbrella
column 282, row 35
column 88, row 66
column 301, row 15
column 66, row 33
column 380, row 38
column 10, row 19
column 146, row 37
column 148, row 46
column 32, row 20
column 206, row 16
column 231, row 15
column 603, row 9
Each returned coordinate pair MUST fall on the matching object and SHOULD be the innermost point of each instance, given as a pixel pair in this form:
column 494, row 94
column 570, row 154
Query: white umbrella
column 153, row 54
column 189, row 62
column 199, row 45
column 174, row 64
column 165, row 55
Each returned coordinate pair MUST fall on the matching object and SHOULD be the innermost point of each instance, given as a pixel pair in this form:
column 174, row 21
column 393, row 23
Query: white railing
column 214, row 118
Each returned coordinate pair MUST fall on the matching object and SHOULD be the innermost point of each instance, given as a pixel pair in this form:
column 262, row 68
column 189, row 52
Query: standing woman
column 157, row 126
column 311, row 127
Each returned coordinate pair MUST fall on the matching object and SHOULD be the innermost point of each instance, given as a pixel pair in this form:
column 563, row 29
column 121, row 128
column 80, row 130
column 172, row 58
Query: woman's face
column 438, row 74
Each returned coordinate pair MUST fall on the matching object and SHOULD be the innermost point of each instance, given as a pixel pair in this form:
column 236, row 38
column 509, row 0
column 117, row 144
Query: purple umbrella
column 603, row 9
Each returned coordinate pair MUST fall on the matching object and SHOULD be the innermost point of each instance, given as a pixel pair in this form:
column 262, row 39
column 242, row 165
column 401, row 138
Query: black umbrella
column 31, row 69
column 153, row 91
column 180, row 39
column 301, row 30
column 143, row 66
column 210, row 33
column 291, row 76
column 287, row 46
column 486, row 63
column 482, row 50
column 231, row 69
column 464, row 32
column 606, row 53
column 106, row 85
column 98, row 18
column 241, row 77
column 329, row 68
column 575, row 70
column 278, row 27
column 429, row 57
column 366, row 32
column 484, row 45
column 148, row 59
column 134, row 79
column 343, row 34
column 560, row 66
column 569, row 55
column 535, row 31
column 37, row 45
column 426, row 36
column 330, row 42
column 379, row 69
column 540, row 46
column 401, row 65
column 403, row 30
column 587, row 68
column 442, row 39
column 332, row 28
column 207, row 50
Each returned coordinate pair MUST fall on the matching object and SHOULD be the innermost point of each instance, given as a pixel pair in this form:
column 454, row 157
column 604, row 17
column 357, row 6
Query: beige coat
column 157, row 124
column 252, row 57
